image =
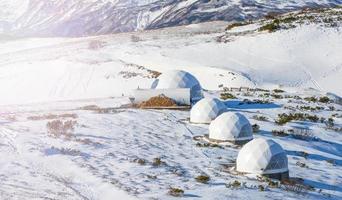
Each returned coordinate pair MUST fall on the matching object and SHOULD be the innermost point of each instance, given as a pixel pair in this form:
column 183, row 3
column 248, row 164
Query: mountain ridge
column 97, row 17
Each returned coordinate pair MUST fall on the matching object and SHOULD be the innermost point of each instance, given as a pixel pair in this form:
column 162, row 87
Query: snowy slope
column 109, row 152
column 94, row 17
column 103, row 66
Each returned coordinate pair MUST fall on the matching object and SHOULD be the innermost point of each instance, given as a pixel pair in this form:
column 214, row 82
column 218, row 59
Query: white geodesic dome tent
column 231, row 127
column 264, row 157
column 179, row 79
column 206, row 110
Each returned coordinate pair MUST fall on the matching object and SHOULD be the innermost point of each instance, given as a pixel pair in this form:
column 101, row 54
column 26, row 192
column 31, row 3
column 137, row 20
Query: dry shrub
column 107, row 111
column 67, row 151
column 99, row 110
column 234, row 185
column 236, row 24
column 42, row 117
column 96, row 44
column 58, row 128
column 203, row 179
column 296, row 185
column 260, row 118
column 158, row 101
column 302, row 134
column 52, row 116
column 154, row 74
column 256, row 128
column 140, row 161
column 128, row 74
column 176, row 192
column 87, row 142
column 135, row 38
column 90, row 107
column 280, row 133
column 158, row 162
column 11, row 118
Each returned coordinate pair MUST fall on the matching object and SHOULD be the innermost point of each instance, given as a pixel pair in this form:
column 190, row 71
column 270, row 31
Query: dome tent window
column 179, row 79
column 263, row 157
column 231, row 127
column 206, row 110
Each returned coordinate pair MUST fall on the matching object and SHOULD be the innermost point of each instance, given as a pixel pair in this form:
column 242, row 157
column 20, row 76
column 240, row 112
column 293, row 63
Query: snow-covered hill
column 93, row 149
column 93, row 17
column 300, row 56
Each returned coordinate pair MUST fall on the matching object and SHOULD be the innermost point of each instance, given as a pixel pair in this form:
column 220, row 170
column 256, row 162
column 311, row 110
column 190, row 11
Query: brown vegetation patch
column 158, row 101
column 176, row 192
column 58, row 128
column 100, row 110
column 296, row 185
column 96, row 44
column 52, row 116
column 11, row 118
column 90, row 107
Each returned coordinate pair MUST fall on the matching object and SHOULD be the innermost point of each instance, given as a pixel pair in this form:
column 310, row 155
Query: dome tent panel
column 264, row 157
column 179, row 79
column 277, row 162
column 246, row 131
column 231, row 127
column 206, row 110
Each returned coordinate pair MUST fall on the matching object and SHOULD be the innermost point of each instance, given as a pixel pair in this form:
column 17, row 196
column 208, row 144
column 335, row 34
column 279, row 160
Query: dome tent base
column 279, row 176
column 225, row 142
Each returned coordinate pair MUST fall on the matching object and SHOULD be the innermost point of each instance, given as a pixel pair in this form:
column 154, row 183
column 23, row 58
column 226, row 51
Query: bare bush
column 11, row 118
column 203, row 179
column 96, row 44
column 255, row 128
column 296, row 185
column 67, row 151
column 58, row 128
column 52, row 116
column 135, row 38
column 280, row 133
column 302, row 134
column 100, row 110
column 158, row 162
column 234, row 185
column 176, row 192
column 260, row 118
column 89, row 107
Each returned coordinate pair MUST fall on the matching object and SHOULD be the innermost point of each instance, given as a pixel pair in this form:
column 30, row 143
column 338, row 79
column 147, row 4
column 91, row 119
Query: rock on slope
column 93, row 17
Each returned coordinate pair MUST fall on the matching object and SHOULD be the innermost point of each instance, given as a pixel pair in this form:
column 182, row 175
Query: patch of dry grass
column 176, row 192
column 99, row 110
column 11, row 118
column 296, row 185
column 158, row 101
column 59, row 128
column 52, row 116
column 203, row 179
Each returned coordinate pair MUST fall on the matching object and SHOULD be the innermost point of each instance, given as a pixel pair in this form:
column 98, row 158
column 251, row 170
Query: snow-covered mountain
column 93, row 17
